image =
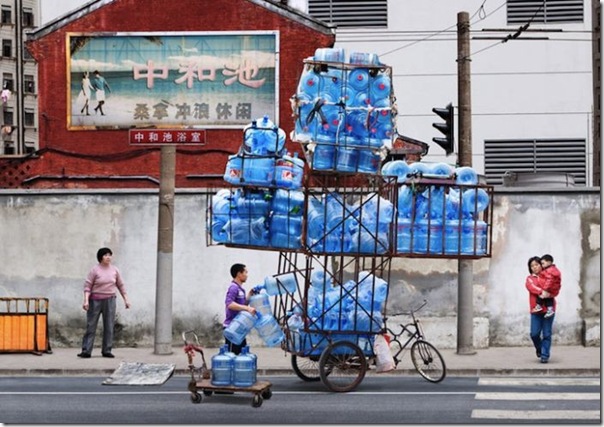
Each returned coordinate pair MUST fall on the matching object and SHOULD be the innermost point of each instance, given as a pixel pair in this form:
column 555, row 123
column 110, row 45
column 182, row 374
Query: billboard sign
column 171, row 80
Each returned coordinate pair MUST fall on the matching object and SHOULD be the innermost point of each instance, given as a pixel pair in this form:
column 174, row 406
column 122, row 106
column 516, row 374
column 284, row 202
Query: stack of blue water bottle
column 440, row 219
column 356, row 307
column 344, row 111
column 229, row 369
column 335, row 226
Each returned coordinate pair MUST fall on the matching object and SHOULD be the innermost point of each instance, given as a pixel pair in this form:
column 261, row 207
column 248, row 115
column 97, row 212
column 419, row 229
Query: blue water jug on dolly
column 244, row 370
column 222, row 368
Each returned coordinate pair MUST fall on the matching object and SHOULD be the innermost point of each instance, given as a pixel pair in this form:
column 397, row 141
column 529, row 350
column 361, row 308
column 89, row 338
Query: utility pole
column 165, row 237
column 465, row 291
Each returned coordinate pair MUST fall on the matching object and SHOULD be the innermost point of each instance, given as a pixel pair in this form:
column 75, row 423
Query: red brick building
column 102, row 156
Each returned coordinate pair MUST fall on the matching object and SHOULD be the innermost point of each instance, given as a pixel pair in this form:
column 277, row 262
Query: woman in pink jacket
column 102, row 283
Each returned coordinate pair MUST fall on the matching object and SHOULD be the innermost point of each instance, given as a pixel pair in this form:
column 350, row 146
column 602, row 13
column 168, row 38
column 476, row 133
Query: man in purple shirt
column 236, row 300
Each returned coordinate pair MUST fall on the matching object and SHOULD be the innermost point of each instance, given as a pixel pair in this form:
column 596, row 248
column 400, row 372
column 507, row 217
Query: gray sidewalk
column 515, row 361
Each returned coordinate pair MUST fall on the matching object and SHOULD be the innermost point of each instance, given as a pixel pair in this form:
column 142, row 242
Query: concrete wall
column 51, row 238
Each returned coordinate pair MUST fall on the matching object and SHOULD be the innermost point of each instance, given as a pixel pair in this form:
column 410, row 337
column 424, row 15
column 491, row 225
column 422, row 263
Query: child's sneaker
column 549, row 313
column 537, row 309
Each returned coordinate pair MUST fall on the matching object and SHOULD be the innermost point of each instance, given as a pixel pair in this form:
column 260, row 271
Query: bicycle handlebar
column 412, row 311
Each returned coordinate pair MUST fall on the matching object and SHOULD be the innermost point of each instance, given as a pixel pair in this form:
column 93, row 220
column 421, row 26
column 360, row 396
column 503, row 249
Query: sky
column 51, row 9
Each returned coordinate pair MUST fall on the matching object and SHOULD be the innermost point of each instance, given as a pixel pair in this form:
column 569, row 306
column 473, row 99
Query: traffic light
column 447, row 128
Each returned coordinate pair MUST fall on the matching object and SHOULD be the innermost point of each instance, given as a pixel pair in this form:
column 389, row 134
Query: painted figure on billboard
column 85, row 92
column 100, row 84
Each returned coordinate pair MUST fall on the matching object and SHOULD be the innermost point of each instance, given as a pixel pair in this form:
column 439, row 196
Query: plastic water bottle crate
column 343, row 305
column 344, row 114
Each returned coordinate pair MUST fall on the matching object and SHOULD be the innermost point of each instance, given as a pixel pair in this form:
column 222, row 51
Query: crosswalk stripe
column 537, row 396
column 535, row 415
column 540, row 381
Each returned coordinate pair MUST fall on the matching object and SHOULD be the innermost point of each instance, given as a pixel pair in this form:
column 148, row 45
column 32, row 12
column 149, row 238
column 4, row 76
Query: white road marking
column 537, row 396
column 535, row 415
column 536, row 381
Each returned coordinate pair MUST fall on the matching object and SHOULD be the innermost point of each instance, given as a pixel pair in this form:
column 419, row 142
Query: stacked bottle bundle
column 262, row 160
column 344, row 111
column 439, row 218
column 354, row 308
column 229, row 369
column 271, row 218
column 336, row 226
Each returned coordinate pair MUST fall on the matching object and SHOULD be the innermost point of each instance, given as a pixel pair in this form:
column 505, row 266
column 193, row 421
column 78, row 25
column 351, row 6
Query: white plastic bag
column 383, row 357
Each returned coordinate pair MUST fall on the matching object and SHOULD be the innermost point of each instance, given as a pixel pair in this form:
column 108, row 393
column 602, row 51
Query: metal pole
column 19, row 101
column 165, row 236
column 465, row 291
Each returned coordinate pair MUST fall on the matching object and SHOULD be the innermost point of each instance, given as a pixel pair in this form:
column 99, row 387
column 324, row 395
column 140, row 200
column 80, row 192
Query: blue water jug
column 253, row 203
column 285, row 231
column 435, row 236
column 363, row 58
column 282, row 284
column 239, row 327
column 452, row 204
column 406, row 201
column 324, row 157
column 222, row 368
column 473, row 237
column 319, row 280
column 233, row 172
column 316, row 220
column 261, row 303
column 380, row 88
column 442, row 170
column 398, row 168
column 258, row 170
column 359, row 79
column 244, row 371
column 474, row 201
column 465, row 175
column 452, row 236
column 347, row 159
column 419, row 168
column 262, row 138
column 248, row 231
column 436, row 195
column 330, row 54
column 309, row 84
column 369, row 161
column 289, row 171
column 403, row 235
column 288, row 202
column 270, row 331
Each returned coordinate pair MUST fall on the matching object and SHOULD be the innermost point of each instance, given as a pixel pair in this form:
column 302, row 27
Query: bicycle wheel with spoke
column 427, row 361
column 307, row 368
column 342, row 366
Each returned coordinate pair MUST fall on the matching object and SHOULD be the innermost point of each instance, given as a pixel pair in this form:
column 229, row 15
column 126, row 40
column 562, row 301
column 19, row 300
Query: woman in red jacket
column 541, row 326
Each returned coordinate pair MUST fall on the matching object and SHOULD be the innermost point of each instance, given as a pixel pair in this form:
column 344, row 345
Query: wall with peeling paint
column 51, row 238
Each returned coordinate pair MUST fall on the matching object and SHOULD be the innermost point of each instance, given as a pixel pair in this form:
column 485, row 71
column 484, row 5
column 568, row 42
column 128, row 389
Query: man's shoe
column 84, row 355
column 538, row 354
column 109, row 355
column 543, row 360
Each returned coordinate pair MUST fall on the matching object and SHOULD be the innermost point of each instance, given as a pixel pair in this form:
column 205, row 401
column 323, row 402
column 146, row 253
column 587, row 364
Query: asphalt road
column 397, row 400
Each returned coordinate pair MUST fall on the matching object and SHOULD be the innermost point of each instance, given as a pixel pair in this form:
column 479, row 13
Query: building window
column 29, row 84
column 6, row 16
column 30, row 147
column 8, row 82
column 7, row 48
column 351, row 13
column 533, row 156
column 8, row 117
column 545, row 12
column 28, row 17
column 29, row 118
column 9, row 148
column 27, row 55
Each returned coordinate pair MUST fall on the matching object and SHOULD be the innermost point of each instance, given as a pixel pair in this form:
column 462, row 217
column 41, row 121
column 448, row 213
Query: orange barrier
column 24, row 325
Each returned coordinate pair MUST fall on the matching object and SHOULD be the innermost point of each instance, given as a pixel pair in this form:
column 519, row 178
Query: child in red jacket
column 551, row 287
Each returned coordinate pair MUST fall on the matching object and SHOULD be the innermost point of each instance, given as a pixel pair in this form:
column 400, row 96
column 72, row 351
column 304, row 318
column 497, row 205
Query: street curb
column 559, row 372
